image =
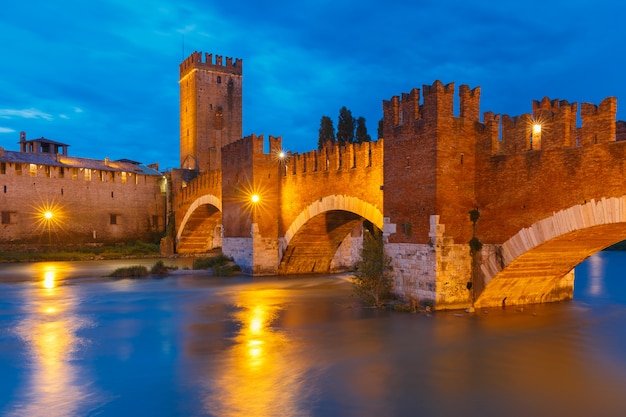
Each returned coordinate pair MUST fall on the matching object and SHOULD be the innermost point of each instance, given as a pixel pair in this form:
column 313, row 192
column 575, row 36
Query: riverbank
column 136, row 250
column 80, row 253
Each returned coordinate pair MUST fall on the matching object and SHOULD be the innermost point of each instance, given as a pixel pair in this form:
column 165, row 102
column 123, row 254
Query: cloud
column 24, row 114
column 6, row 130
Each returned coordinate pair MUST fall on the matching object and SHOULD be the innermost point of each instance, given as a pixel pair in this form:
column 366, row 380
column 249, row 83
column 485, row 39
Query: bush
column 211, row 262
column 161, row 269
column 130, row 272
column 372, row 278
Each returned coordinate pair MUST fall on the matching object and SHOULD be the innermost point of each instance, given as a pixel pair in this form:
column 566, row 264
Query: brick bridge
column 549, row 188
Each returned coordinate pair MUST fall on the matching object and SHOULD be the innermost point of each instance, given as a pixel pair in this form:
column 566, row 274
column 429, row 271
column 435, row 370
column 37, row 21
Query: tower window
column 219, row 79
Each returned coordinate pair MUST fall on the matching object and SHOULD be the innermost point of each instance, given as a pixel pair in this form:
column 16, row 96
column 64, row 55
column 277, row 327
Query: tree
column 326, row 132
column 345, row 127
column 361, row 131
column 372, row 277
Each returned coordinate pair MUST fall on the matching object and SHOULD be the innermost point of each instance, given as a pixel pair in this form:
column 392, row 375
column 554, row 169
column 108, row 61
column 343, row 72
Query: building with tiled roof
column 49, row 197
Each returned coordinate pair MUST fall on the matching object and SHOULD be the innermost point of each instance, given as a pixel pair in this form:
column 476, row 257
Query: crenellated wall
column 437, row 163
column 196, row 61
column 211, row 109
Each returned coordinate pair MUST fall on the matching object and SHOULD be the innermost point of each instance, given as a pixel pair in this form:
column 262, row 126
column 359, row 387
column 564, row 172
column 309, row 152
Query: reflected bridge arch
column 201, row 227
column 536, row 265
column 313, row 238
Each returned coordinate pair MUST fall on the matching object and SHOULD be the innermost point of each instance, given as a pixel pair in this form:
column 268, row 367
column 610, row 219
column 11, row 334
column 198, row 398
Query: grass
column 130, row 250
column 221, row 264
column 135, row 271
column 139, row 271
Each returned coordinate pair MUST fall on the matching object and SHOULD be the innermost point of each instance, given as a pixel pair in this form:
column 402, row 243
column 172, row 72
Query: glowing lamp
column 48, row 214
column 255, row 198
column 536, row 128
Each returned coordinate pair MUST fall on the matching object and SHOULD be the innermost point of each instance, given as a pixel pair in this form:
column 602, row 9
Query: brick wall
column 95, row 211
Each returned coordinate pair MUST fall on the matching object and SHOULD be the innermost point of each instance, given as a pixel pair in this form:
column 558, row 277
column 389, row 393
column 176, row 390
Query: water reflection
column 49, row 331
column 596, row 271
column 260, row 374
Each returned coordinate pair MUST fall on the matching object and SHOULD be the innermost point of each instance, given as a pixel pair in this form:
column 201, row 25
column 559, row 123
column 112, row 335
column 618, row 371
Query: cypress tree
column 326, row 132
column 345, row 127
column 361, row 131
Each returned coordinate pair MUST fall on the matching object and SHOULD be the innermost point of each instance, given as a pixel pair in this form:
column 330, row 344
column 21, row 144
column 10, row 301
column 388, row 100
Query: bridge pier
column 438, row 273
column 256, row 255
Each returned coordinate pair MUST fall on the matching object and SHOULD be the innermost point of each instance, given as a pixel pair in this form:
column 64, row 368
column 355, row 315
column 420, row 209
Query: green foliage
column 474, row 215
column 475, row 245
column 134, row 271
column 83, row 252
column 160, row 269
column 361, row 131
column 345, row 127
column 225, row 270
column 372, row 278
column 211, row 262
column 326, row 132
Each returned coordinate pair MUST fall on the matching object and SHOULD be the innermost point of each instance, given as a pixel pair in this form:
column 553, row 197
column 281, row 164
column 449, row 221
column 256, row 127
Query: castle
column 465, row 205
column 473, row 212
column 49, row 198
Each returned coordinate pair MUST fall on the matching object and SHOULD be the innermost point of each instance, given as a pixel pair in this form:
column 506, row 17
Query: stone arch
column 313, row 238
column 536, row 264
column 198, row 229
column 332, row 203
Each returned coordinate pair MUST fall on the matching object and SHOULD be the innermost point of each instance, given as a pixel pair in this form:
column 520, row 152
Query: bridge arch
column 535, row 264
column 334, row 217
column 198, row 230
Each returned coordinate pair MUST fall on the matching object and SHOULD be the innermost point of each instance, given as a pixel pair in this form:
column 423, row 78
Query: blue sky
column 102, row 75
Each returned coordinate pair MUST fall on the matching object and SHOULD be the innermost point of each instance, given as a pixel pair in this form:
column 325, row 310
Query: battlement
column 438, row 104
column 245, row 148
column 333, row 158
column 552, row 125
column 195, row 62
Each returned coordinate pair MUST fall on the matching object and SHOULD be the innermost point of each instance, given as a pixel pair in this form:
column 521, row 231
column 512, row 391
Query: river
column 75, row 344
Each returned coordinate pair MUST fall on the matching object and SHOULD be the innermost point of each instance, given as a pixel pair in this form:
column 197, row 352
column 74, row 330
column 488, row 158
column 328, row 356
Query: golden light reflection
column 50, row 273
column 596, row 266
column 261, row 376
column 48, row 280
column 54, row 388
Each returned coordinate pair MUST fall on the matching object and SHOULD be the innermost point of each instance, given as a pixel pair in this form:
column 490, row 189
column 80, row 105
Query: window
column 113, row 219
column 8, row 217
column 47, row 171
column 87, row 174
column 219, row 79
column 18, row 169
column 112, row 176
column 74, row 173
column 61, row 172
column 33, row 170
column 3, row 167
column 123, row 178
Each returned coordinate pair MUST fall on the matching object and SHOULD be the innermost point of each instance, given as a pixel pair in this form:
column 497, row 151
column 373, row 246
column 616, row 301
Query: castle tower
column 210, row 109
